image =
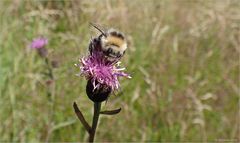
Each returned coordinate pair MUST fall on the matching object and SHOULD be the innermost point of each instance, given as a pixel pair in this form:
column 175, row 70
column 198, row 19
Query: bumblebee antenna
column 95, row 26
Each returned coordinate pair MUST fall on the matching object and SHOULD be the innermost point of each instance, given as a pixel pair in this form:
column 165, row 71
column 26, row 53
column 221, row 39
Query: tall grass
column 183, row 56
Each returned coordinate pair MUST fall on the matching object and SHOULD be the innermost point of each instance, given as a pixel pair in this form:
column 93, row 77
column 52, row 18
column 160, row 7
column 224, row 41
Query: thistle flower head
column 101, row 72
column 39, row 43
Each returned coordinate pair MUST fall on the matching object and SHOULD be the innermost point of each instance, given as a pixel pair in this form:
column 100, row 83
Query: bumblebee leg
column 119, row 54
column 110, row 50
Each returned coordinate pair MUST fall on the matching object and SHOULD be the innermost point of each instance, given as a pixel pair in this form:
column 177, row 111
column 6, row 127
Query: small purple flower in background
column 102, row 72
column 39, row 43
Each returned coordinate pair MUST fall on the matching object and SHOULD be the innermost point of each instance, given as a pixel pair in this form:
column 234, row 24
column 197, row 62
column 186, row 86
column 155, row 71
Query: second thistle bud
column 97, row 95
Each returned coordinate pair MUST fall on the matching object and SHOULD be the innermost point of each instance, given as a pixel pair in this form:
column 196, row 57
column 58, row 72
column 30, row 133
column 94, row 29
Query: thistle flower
column 39, row 43
column 101, row 73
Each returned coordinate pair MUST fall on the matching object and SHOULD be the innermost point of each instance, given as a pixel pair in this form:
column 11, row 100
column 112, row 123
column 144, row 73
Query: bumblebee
column 112, row 42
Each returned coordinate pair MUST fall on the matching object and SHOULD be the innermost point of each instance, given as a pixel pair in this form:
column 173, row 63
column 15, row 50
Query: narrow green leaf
column 111, row 112
column 81, row 117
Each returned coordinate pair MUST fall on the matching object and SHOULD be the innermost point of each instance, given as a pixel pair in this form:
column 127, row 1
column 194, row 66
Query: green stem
column 51, row 96
column 50, row 72
column 97, row 108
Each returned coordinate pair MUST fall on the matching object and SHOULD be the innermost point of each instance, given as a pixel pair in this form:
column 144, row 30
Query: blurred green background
column 183, row 56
